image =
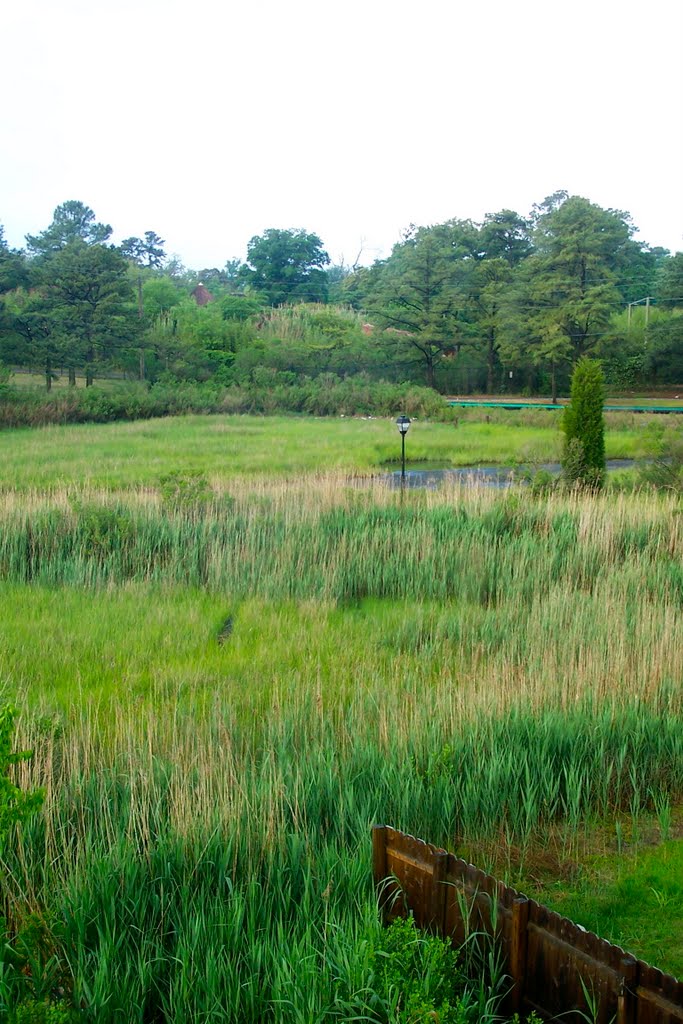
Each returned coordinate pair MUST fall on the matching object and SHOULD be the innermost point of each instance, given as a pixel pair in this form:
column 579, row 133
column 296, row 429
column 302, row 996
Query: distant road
column 502, row 404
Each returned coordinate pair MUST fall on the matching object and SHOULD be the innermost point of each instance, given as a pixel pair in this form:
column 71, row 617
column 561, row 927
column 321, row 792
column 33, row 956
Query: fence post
column 627, row 1002
column 518, row 950
column 439, row 892
column 379, row 864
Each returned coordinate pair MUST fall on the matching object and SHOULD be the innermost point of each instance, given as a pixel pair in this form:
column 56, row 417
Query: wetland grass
column 186, row 861
column 487, row 671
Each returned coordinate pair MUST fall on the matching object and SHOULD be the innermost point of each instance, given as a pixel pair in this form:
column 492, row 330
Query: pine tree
column 583, row 458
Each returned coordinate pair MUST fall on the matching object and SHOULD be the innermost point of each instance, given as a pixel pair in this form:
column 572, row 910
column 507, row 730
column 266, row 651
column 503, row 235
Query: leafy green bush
column 419, row 979
column 624, row 372
column 42, row 1012
column 185, row 490
column 105, row 531
column 34, row 976
column 15, row 805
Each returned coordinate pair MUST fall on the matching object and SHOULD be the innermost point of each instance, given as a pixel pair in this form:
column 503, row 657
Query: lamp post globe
column 403, row 423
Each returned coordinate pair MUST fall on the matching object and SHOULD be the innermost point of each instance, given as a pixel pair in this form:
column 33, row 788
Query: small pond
column 489, row 476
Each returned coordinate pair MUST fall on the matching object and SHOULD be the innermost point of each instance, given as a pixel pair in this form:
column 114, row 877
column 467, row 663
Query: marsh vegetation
column 497, row 673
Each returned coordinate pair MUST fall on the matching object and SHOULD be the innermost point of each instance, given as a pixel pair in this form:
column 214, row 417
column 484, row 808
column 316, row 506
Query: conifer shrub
column 583, row 457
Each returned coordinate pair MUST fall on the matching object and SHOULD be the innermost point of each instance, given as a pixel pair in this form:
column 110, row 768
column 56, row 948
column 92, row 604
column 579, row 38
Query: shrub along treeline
column 269, row 391
column 508, row 304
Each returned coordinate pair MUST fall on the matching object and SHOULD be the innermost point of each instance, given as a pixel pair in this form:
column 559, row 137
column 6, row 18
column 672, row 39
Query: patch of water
column 488, row 476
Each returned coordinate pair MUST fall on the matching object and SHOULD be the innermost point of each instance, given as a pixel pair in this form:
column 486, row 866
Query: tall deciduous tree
column 664, row 350
column 287, row 266
column 160, row 295
column 532, row 329
column 579, row 248
column 34, row 341
column 488, row 284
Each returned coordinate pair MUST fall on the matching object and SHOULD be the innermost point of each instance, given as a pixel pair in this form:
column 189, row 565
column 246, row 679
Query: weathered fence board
column 555, row 966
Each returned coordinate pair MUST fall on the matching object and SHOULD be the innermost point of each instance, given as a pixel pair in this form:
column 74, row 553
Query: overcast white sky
column 210, row 123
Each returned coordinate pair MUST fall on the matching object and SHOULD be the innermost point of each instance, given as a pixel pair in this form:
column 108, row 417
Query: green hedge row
column 268, row 393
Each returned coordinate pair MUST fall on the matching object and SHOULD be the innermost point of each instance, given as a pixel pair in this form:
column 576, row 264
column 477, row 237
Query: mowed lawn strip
column 633, row 899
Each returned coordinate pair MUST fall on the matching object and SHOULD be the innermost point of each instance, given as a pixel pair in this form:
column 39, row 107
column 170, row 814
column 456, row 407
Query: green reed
column 473, row 668
column 514, row 549
column 184, row 864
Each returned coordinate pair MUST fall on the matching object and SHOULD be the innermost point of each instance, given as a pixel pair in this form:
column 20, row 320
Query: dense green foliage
column 508, row 304
column 286, row 266
column 269, row 392
column 210, row 790
column 423, row 978
column 583, row 457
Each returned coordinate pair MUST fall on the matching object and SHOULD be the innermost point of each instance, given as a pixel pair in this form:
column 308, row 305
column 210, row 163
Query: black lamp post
column 403, row 423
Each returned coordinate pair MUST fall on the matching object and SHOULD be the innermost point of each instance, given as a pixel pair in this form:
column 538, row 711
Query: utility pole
column 647, row 300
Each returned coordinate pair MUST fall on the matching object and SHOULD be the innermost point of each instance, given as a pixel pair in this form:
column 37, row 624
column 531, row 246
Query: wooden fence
column 551, row 962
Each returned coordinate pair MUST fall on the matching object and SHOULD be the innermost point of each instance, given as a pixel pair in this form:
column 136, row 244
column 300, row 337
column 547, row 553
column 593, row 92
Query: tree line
column 508, row 304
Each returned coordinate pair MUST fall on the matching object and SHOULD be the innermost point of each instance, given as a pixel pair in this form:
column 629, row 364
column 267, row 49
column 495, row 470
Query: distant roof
column 201, row 295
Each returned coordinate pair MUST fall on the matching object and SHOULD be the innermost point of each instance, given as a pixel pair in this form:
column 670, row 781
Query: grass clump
column 331, row 543
column 191, row 859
